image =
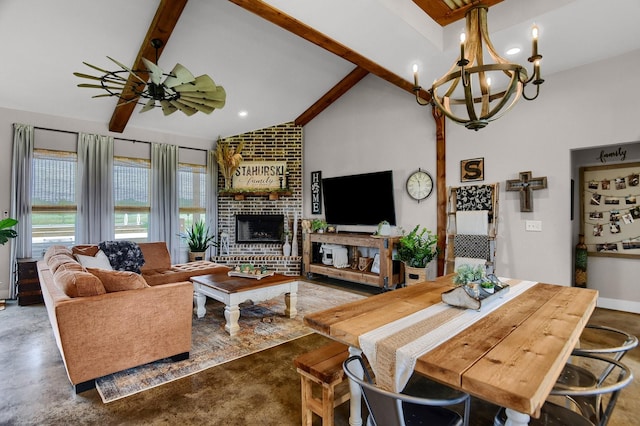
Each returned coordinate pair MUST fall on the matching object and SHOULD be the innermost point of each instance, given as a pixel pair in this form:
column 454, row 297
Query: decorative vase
column 294, row 240
column 286, row 247
column 580, row 279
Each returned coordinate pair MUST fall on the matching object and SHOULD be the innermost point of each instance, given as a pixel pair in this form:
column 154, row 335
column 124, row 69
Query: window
column 131, row 198
column 53, row 198
column 192, row 194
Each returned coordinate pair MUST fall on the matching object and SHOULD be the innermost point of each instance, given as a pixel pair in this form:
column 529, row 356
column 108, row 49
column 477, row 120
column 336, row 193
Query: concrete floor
column 261, row 389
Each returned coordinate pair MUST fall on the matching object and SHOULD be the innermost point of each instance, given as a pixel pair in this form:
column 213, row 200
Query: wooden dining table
column 510, row 357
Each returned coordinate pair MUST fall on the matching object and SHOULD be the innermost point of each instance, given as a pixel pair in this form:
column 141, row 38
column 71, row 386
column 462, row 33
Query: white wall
column 377, row 126
column 8, row 117
column 374, row 127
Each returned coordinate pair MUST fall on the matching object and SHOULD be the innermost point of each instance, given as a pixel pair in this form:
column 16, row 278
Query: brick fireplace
column 277, row 143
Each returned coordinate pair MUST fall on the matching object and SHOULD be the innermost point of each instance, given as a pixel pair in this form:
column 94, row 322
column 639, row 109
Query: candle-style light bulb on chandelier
column 467, row 87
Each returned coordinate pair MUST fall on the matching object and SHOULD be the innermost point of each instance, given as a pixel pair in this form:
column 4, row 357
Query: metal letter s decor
column 316, row 192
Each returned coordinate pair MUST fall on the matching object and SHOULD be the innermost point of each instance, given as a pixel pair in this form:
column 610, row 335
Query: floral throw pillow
column 123, row 255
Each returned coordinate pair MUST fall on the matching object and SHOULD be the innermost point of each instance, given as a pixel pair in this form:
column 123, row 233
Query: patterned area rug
column 262, row 326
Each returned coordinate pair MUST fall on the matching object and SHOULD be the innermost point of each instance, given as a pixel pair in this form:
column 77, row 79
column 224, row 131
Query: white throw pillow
column 100, row 260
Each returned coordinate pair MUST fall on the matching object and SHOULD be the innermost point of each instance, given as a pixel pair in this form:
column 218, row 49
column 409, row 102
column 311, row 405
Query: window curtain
column 21, row 172
column 212, row 198
column 164, row 223
column 95, row 219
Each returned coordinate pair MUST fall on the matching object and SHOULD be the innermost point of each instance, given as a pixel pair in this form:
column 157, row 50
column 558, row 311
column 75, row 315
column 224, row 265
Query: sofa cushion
column 78, row 283
column 156, row 256
column 182, row 272
column 119, row 280
column 57, row 260
column 123, row 255
column 53, row 250
column 100, row 260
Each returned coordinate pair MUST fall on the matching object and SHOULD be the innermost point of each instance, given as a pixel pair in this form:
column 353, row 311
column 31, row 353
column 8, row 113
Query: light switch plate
column 533, row 226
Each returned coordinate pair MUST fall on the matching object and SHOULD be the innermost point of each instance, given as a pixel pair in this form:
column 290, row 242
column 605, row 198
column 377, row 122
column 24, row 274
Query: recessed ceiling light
column 243, row 114
column 513, row 51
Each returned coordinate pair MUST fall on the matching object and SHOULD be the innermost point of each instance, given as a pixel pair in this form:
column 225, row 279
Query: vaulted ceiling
column 279, row 60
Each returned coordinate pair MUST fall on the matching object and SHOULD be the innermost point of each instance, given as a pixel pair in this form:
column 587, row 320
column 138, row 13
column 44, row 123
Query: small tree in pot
column 417, row 249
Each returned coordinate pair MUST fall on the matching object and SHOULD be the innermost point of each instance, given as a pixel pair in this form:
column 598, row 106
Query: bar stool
column 322, row 367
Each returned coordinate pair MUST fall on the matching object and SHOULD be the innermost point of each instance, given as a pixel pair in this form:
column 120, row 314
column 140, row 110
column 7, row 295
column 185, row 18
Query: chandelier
column 469, row 95
column 178, row 90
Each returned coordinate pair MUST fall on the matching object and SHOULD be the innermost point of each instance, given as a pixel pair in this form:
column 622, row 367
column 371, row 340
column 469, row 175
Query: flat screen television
column 362, row 199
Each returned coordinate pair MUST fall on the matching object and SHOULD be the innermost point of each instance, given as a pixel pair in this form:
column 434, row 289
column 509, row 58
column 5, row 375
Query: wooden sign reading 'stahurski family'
column 261, row 175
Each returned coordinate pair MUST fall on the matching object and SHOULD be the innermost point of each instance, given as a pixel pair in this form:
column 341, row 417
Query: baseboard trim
column 619, row 305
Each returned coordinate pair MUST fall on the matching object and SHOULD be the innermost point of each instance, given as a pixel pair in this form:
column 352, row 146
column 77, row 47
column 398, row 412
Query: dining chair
column 566, row 402
column 603, row 341
column 398, row 409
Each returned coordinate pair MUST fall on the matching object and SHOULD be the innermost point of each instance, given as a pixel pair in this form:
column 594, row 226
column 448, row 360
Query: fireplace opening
column 259, row 228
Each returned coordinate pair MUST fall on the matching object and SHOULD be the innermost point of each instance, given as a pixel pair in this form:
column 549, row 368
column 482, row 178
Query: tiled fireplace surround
column 277, row 143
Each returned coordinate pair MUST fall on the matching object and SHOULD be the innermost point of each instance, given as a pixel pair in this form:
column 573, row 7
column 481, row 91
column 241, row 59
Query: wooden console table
column 387, row 278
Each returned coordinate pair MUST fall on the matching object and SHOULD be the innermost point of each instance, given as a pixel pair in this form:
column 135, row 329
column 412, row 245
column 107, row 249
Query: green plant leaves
column 6, row 233
column 198, row 237
column 417, row 248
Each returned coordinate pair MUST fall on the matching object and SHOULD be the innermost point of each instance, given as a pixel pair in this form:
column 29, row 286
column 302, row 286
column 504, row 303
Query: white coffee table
column 234, row 290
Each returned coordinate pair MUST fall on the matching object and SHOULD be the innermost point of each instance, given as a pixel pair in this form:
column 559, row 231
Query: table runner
column 392, row 349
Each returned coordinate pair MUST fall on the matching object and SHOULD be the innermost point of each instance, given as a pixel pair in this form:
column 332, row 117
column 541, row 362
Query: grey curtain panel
column 164, row 223
column 95, row 219
column 21, row 173
column 212, row 198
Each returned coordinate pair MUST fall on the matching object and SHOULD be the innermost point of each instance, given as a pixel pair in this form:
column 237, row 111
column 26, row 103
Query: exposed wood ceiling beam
column 161, row 27
column 445, row 12
column 332, row 95
column 298, row 28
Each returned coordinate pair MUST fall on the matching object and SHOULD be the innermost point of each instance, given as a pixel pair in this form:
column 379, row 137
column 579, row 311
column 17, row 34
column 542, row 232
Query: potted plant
column 5, row 232
column 318, row 225
column 417, row 250
column 475, row 278
column 199, row 240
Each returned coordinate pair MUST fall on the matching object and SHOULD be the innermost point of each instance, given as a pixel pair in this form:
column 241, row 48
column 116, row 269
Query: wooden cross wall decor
column 526, row 185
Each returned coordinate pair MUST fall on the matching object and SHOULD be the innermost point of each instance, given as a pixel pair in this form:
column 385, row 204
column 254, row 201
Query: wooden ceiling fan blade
column 97, row 68
column 187, row 110
column 109, row 80
column 126, row 68
column 203, row 83
column 179, row 75
column 199, row 106
column 98, row 86
column 154, row 71
column 213, row 103
column 167, row 108
column 104, row 95
column 151, row 104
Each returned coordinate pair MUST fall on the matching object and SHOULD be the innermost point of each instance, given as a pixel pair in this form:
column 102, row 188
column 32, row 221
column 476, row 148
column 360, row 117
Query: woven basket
column 194, row 256
column 414, row 275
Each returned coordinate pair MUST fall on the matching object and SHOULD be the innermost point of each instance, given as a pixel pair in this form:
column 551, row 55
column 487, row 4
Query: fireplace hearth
column 259, row 228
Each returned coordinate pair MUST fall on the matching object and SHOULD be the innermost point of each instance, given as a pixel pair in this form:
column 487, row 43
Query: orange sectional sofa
column 108, row 321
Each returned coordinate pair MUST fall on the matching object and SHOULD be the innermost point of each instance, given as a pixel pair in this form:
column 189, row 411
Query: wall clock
column 419, row 185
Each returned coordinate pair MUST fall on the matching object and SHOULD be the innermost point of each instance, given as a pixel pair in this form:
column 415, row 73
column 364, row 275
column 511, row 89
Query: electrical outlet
column 533, row 226
column 5, row 214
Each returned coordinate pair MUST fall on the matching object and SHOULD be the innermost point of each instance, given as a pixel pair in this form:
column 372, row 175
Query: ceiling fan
column 179, row 90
